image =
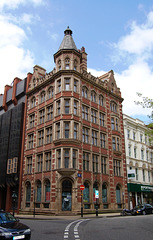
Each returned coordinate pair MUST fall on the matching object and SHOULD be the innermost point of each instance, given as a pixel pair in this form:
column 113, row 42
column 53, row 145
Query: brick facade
column 74, row 135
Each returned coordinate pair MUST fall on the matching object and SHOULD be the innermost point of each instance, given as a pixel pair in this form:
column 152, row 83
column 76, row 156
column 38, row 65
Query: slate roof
column 68, row 42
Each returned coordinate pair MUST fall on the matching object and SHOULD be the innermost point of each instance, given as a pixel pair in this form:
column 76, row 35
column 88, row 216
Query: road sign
column 82, row 187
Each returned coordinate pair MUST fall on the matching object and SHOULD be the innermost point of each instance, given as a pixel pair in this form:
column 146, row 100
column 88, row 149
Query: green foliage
column 147, row 103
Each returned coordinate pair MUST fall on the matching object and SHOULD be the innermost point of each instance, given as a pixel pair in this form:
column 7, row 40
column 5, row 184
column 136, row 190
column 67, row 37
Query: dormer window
column 84, row 92
column 75, row 65
column 42, row 97
column 93, row 96
column 50, row 92
column 67, row 63
column 113, row 106
column 33, row 102
column 59, row 65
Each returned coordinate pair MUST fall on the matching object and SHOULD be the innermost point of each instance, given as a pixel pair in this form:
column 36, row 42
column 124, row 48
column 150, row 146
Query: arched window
column 101, row 100
column 75, row 65
column 38, row 191
column 84, row 92
column 50, row 92
column 33, row 102
column 93, row 96
column 67, row 63
column 42, row 97
column 104, row 193
column 47, row 193
column 86, row 196
column 28, row 194
column 95, row 193
column 113, row 106
column 118, row 196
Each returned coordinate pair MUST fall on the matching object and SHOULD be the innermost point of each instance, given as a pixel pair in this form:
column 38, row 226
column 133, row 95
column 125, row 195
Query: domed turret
column 68, row 42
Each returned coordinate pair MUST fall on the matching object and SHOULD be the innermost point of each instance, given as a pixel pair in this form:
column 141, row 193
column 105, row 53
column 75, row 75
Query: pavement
column 66, row 217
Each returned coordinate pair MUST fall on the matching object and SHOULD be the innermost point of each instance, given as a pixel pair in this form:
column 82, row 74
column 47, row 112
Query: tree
column 147, row 103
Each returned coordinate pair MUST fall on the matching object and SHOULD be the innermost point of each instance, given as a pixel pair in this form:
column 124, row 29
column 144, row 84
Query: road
column 115, row 228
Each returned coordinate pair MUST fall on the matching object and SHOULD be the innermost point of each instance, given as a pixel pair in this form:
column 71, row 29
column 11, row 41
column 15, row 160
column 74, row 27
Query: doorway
column 66, row 195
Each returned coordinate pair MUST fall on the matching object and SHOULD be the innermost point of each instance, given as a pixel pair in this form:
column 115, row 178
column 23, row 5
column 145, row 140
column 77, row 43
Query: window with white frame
column 42, row 116
column 29, row 165
column 30, row 140
column 12, row 165
column 85, row 112
column 40, row 137
column 75, row 85
column 75, row 107
column 48, row 159
column 59, row 85
column 67, row 129
column 117, row 167
column 93, row 116
column 42, row 97
column 113, row 106
column 101, row 100
column 93, row 96
column 58, row 107
column 49, row 134
column 103, row 165
column 85, row 135
column 94, row 137
column 76, row 126
column 102, row 119
column 66, row 158
column 85, row 161
column 67, row 63
column 39, row 162
column 50, row 112
column 95, row 163
column 58, row 130
column 32, row 120
column 84, row 92
column 67, row 106
column 67, row 84
column 102, row 140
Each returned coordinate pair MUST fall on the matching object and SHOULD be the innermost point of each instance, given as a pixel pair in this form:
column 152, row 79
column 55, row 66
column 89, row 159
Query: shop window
column 38, row 191
column 118, row 196
column 28, row 194
column 86, row 196
column 104, row 195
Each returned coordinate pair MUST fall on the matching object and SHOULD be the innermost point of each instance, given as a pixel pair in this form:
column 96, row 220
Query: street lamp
column 14, row 197
column 96, row 194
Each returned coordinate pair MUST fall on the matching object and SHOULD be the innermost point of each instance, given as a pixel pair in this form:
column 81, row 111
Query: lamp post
column 14, row 197
column 34, row 202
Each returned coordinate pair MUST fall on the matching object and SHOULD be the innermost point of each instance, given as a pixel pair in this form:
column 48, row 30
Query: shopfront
column 139, row 194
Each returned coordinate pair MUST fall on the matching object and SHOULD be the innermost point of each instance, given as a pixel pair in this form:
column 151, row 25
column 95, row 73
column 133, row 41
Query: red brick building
column 74, row 135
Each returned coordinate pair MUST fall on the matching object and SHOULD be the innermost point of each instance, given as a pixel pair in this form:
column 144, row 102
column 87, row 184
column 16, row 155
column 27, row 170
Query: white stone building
column 139, row 159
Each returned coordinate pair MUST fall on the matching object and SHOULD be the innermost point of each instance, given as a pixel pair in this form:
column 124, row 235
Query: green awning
column 133, row 187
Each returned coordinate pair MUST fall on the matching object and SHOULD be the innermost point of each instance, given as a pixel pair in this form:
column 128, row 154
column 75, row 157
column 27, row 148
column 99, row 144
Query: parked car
column 11, row 228
column 142, row 209
column 125, row 212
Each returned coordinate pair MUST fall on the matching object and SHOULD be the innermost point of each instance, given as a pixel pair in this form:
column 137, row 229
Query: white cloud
column 14, row 60
column 13, row 4
column 140, row 39
column 138, row 75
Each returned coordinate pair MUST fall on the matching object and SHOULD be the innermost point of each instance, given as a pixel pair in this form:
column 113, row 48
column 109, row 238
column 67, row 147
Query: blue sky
column 117, row 35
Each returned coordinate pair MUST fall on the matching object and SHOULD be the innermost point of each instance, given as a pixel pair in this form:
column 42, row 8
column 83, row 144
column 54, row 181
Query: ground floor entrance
column 66, row 195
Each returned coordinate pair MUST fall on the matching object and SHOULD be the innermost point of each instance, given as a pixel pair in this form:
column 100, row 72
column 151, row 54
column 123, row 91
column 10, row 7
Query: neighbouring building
column 12, row 116
column 139, row 157
column 74, row 136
